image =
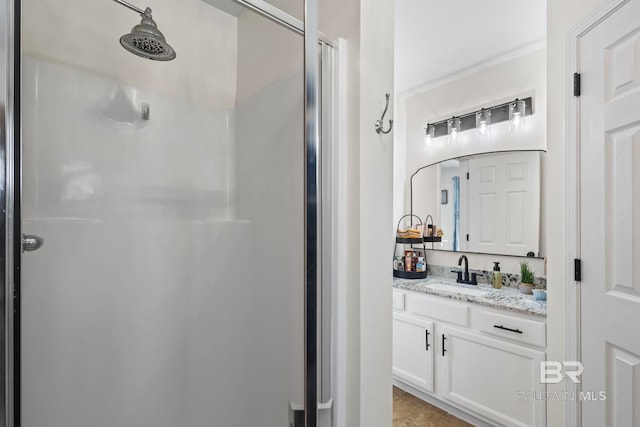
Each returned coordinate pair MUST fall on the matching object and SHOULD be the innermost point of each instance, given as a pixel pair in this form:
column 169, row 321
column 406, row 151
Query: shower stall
column 164, row 223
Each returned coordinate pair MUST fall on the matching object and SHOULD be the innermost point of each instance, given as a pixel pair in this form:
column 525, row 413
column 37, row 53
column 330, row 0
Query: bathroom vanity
column 472, row 348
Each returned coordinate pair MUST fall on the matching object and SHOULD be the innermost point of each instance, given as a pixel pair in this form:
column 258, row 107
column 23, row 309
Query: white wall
column 516, row 77
column 561, row 16
column 503, row 82
column 376, row 198
column 343, row 19
column 259, row 62
column 508, row 264
column 367, row 26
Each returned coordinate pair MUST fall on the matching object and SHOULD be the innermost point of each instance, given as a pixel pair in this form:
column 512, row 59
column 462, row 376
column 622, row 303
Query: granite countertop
column 506, row 298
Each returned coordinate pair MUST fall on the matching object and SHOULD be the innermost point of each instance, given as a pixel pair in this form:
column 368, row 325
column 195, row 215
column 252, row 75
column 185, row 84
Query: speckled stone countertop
column 505, row 298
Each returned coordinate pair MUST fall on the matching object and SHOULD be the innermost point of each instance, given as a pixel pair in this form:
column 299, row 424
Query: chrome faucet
column 473, row 280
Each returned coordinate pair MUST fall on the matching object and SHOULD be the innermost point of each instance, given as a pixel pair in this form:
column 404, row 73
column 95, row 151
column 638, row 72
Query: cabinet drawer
column 511, row 327
column 398, row 301
column 437, row 308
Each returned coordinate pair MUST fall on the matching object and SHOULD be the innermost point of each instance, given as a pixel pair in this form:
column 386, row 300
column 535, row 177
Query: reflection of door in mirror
column 495, row 203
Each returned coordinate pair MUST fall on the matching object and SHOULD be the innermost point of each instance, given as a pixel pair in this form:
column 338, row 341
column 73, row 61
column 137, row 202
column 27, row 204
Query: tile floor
column 409, row 411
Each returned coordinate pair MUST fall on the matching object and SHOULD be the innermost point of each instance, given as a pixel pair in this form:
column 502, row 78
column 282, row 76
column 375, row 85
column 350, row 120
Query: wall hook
column 379, row 123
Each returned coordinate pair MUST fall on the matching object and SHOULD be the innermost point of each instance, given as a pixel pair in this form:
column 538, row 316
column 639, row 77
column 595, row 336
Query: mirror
column 486, row 203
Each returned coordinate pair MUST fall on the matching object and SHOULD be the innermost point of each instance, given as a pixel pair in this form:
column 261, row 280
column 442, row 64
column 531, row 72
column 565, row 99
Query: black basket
column 410, row 274
column 410, row 241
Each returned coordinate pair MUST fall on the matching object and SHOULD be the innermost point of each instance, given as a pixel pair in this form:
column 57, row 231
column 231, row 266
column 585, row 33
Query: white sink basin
column 457, row 289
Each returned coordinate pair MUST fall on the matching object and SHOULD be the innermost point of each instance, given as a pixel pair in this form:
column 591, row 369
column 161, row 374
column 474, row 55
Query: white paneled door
column 609, row 62
column 504, row 203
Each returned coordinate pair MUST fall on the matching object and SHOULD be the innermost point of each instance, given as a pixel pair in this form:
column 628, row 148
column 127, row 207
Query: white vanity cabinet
column 413, row 350
column 492, row 377
column 482, row 360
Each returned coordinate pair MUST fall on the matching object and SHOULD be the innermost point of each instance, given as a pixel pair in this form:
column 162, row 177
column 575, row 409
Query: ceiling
column 437, row 38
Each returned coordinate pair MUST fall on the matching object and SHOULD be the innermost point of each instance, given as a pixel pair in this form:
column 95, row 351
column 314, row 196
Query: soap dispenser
column 496, row 276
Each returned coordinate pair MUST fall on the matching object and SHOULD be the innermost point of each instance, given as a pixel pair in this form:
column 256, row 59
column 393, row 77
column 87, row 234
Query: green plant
column 526, row 274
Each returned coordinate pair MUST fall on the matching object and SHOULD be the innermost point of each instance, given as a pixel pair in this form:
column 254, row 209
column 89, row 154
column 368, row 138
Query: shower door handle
column 31, row 242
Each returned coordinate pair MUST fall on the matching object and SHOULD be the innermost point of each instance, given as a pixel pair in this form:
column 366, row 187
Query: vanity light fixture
column 453, row 128
column 496, row 114
column 483, row 120
column 516, row 115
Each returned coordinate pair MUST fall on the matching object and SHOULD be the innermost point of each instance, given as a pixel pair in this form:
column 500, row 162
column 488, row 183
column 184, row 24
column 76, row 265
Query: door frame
column 573, row 343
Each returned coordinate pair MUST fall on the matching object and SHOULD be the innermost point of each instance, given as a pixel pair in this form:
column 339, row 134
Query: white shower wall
column 270, row 292
column 169, row 290
column 85, row 34
column 96, row 158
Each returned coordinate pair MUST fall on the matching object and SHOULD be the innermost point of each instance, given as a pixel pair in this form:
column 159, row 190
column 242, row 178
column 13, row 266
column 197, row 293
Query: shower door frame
column 10, row 231
column 319, row 232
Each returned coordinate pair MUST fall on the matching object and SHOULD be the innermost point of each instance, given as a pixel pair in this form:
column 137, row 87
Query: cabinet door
column 493, row 378
column 413, row 351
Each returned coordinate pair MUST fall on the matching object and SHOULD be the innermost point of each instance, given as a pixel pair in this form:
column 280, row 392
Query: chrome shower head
column 145, row 39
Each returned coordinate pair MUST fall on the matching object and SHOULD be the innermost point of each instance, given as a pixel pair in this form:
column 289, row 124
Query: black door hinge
column 577, row 270
column 467, row 175
column 467, row 237
column 576, row 84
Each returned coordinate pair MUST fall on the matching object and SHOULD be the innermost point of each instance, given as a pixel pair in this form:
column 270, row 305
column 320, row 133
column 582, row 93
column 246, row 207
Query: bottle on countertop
column 496, row 276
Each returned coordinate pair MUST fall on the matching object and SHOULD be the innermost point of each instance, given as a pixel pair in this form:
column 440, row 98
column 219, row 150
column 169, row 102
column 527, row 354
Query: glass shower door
column 170, row 198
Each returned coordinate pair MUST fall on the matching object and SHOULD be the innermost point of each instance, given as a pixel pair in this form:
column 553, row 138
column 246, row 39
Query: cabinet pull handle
column 443, row 349
column 517, row 331
column 426, row 337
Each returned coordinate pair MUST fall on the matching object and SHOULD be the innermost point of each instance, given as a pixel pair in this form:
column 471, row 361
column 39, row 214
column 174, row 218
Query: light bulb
column 453, row 127
column 483, row 120
column 430, row 134
column 516, row 116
